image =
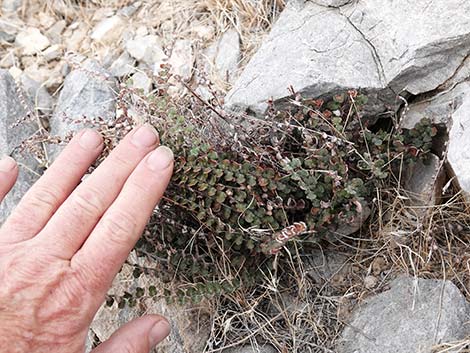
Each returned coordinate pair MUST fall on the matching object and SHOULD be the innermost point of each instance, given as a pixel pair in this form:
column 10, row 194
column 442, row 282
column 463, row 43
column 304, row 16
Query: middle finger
column 75, row 219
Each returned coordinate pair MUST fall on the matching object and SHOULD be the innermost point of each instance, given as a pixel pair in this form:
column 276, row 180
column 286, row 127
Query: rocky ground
column 402, row 283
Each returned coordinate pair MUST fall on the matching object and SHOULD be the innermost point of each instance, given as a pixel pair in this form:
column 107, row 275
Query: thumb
column 138, row 336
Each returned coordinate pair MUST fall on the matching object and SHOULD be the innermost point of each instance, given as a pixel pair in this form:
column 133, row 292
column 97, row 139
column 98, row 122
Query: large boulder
column 15, row 128
column 413, row 316
column 386, row 47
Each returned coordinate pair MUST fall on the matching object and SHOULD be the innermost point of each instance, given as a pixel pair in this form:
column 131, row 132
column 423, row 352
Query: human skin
column 67, row 239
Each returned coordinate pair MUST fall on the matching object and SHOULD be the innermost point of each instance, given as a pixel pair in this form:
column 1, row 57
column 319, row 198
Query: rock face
column 89, row 92
column 458, row 154
column 413, row 316
column 12, row 109
column 364, row 44
column 425, row 182
column 451, row 109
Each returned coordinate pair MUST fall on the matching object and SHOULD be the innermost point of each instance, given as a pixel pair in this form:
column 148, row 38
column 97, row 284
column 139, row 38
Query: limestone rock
column 12, row 109
column 332, row 3
column 451, row 109
column 458, row 154
column 438, row 109
column 147, row 49
column 40, row 99
column 32, row 41
column 54, row 52
column 54, row 33
column 141, row 81
column 327, row 266
column 413, row 316
column 223, row 57
column 11, row 5
column 425, row 181
column 122, row 66
column 364, row 44
column 182, row 59
column 89, row 92
column 109, row 29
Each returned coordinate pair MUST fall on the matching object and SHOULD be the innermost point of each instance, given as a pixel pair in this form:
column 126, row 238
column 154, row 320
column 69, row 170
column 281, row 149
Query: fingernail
column 145, row 136
column 159, row 331
column 160, row 159
column 90, row 139
column 7, row 164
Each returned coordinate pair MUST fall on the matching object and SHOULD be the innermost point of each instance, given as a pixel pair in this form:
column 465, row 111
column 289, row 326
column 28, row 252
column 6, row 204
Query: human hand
column 62, row 246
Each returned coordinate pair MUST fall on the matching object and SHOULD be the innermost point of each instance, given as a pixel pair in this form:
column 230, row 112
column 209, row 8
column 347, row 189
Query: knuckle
column 117, row 227
column 43, row 197
column 88, row 202
column 121, row 162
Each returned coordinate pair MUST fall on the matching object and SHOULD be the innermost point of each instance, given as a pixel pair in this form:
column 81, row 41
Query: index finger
column 109, row 244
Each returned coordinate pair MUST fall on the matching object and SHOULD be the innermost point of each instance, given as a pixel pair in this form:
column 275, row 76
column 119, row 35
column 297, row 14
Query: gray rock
column 54, row 33
column 141, row 81
column 39, row 97
column 251, row 349
column 147, row 49
column 413, row 316
column 332, row 3
column 11, row 5
column 365, row 44
column 425, row 182
column 124, row 65
column 130, row 10
column 89, row 91
column 458, row 154
column 327, row 266
column 224, row 56
column 13, row 109
column 451, row 109
column 438, row 109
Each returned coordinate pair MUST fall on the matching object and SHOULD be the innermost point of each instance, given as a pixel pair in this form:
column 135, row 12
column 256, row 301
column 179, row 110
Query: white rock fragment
column 146, row 49
column 54, row 33
column 203, row 31
column 77, row 37
column 53, row 52
column 15, row 72
column 223, row 57
column 123, row 65
column 31, row 41
column 8, row 60
column 182, row 59
column 141, row 81
column 109, row 30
